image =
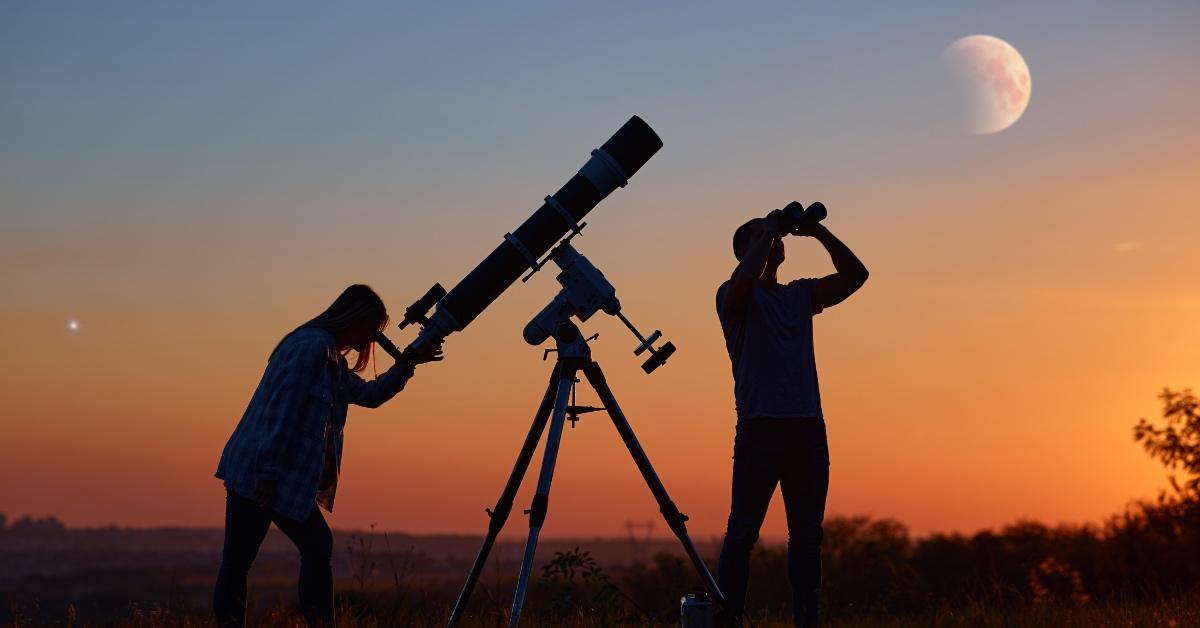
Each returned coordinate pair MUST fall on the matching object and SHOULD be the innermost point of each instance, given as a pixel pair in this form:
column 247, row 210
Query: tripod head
column 584, row 292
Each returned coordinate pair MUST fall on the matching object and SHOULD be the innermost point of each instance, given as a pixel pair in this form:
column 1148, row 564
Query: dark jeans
column 246, row 525
column 793, row 453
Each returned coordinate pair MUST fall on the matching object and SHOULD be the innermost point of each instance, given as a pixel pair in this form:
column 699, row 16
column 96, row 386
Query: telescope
column 545, row 237
column 609, row 168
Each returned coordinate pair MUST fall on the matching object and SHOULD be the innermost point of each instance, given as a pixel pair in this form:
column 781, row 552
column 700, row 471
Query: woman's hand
column 264, row 493
column 428, row 353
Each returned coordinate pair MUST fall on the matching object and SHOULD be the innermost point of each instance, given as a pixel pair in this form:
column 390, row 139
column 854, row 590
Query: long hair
column 354, row 305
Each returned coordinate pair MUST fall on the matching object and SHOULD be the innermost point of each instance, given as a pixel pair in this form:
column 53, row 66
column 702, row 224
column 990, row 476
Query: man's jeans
column 793, row 453
column 246, row 525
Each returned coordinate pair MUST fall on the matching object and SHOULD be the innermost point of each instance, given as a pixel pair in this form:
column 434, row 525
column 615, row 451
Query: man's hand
column 428, row 353
column 774, row 222
column 264, row 493
column 810, row 229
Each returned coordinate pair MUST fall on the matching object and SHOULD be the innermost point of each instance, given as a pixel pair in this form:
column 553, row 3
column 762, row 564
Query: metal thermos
column 697, row 611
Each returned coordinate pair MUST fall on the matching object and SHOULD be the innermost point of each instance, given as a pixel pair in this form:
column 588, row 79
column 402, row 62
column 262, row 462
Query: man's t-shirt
column 771, row 348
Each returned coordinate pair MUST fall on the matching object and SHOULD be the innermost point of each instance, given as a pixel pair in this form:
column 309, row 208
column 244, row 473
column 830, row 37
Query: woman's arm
column 374, row 393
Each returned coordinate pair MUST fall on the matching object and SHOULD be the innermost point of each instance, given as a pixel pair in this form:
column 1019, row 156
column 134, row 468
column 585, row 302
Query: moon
column 992, row 82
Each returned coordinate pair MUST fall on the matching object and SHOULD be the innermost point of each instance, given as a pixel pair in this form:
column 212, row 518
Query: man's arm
column 752, row 265
column 850, row 273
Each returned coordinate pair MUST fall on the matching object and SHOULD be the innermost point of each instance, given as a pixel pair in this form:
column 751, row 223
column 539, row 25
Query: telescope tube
column 609, row 167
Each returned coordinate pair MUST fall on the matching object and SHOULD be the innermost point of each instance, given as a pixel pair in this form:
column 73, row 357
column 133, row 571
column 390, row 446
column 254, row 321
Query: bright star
column 73, row 325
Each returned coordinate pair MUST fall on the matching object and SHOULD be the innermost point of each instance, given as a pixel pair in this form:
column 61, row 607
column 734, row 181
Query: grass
column 1166, row 613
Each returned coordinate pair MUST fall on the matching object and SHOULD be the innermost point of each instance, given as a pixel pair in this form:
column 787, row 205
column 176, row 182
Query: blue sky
column 189, row 180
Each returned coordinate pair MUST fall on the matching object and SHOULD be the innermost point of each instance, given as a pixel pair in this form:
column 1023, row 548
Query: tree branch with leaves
column 1176, row 443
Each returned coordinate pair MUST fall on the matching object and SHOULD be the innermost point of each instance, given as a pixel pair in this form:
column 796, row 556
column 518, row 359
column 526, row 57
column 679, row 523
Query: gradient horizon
column 190, row 183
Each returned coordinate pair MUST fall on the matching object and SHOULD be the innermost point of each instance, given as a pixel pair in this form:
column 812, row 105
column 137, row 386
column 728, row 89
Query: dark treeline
column 873, row 566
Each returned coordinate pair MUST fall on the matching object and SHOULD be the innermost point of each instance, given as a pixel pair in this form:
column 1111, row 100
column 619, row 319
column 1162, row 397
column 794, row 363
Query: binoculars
column 796, row 215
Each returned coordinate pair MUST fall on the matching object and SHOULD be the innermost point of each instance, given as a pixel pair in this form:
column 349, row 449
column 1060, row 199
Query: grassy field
column 1168, row 613
column 1139, row 570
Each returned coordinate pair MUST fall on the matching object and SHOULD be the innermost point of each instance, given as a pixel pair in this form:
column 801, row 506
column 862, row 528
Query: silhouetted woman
column 283, row 458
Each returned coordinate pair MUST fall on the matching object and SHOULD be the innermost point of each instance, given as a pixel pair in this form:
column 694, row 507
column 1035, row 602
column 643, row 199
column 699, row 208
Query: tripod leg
column 537, row 511
column 675, row 519
column 500, row 513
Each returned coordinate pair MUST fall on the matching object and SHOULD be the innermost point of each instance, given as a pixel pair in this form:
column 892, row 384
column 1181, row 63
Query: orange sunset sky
column 190, row 184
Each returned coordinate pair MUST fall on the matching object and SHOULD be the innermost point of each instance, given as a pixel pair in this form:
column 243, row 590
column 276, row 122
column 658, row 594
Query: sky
column 190, row 181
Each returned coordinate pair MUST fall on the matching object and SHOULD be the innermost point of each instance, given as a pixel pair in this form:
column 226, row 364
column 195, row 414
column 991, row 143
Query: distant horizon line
column 52, row 523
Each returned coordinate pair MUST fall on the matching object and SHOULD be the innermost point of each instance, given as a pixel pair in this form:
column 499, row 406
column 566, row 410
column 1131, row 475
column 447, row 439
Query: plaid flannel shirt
column 292, row 430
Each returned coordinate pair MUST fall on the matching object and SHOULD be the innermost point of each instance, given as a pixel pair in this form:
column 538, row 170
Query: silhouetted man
column 780, row 428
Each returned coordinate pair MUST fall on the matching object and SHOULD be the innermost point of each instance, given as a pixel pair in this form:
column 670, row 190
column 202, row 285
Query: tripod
column 574, row 357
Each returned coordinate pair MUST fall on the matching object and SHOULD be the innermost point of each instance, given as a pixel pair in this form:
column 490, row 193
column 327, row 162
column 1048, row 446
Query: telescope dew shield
column 609, row 167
